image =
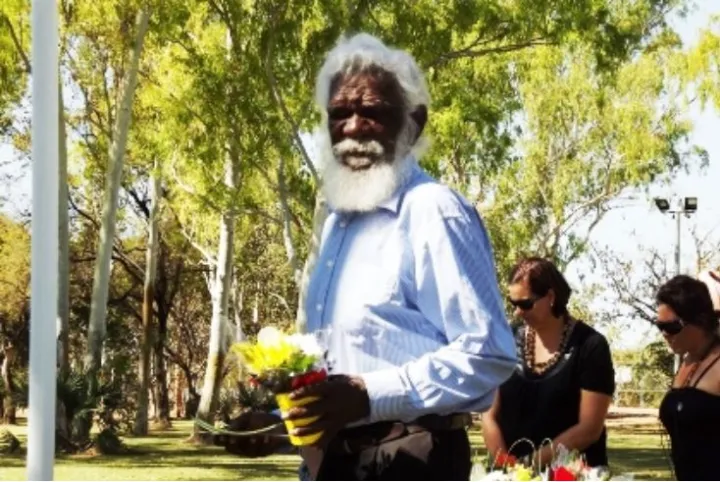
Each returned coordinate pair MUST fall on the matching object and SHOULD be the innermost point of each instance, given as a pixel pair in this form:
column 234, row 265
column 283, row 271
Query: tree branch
column 131, row 266
column 469, row 52
column 141, row 203
column 18, row 46
column 209, row 258
column 564, row 225
column 272, row 82
column 221, row 12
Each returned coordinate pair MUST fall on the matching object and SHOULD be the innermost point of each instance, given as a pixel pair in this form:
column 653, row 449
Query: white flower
column 478, row 472
column 497, row 475
column 270, row 336
column 597, row 473
column 308, row 344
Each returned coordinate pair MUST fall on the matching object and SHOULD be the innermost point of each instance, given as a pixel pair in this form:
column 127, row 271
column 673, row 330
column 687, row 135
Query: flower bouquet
column 565, row 465
column 281, row 363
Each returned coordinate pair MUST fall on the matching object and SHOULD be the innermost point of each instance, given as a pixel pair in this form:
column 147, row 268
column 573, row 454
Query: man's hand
column 341, row 400
column 260, row 445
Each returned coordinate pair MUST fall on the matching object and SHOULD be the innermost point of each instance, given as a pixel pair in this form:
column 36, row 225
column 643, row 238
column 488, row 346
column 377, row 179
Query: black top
column 692, row 419
column 539, row 407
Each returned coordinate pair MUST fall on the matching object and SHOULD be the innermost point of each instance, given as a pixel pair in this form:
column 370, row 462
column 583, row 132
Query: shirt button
column 343, row 224
column 318, row 307
column 330, row 263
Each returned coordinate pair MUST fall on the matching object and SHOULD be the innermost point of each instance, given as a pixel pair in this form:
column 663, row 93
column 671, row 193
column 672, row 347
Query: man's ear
column 419, row 116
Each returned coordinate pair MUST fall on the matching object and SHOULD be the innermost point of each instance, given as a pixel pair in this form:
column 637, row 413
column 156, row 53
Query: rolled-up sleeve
column 457, row 292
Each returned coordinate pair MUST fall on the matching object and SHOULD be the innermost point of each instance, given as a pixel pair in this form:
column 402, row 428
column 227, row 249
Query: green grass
column 166, row 456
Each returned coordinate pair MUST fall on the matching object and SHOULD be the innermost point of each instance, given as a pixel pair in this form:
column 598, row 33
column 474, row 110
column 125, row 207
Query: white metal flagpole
column 44, row 256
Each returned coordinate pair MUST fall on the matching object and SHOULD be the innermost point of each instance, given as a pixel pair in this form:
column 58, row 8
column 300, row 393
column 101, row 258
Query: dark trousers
column 396, row 451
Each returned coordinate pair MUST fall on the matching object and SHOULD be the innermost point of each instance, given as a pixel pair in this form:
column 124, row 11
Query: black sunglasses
column 670, row 327
column 525, row 304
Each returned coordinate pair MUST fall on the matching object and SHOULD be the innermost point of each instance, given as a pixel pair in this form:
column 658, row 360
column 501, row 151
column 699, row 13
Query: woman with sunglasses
column 564, row 383
column 690, row 411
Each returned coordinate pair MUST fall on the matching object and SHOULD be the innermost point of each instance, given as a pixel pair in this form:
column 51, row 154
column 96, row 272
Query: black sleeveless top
column 692, row 419
column 539, row 407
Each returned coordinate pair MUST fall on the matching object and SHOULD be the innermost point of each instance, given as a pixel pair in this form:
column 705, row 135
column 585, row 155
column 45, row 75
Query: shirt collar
column 394, row 202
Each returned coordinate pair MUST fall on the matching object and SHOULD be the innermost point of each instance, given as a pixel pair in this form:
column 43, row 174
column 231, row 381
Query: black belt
column 355, row 439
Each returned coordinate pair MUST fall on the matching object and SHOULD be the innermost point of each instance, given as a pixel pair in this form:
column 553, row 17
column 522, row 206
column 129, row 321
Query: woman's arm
column 597, row 385
column 594, row 407
column 494, row 441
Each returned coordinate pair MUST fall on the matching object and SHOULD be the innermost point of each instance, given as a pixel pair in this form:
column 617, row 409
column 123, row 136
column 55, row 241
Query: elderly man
column 405, row 287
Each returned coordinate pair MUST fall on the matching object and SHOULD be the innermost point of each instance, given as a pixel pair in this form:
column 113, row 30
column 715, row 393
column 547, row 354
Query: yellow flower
column 273, row 350
column 523, row 473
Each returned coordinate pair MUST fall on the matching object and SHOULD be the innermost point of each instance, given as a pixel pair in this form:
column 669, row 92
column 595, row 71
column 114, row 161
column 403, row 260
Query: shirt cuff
column 389, row 398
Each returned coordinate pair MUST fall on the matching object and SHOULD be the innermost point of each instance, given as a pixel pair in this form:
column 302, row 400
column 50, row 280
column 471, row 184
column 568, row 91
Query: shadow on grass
column 165, row 455
column 643, row 463
column 185, row 464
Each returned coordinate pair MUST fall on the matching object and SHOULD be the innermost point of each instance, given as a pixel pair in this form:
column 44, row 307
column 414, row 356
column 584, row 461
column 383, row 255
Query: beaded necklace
column 529, row 350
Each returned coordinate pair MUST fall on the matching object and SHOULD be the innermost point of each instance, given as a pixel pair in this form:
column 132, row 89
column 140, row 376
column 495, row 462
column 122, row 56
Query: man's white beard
column 363, row 190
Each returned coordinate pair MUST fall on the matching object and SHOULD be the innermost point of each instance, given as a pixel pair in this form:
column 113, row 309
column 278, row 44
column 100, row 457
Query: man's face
column 365, row 118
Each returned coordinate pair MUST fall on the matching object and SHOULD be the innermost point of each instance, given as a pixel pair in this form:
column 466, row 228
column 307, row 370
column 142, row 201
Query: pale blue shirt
column 407, row 297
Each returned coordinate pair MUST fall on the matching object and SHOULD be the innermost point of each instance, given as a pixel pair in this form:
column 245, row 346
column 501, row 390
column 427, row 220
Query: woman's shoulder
column 588, row 336
column 589, row 344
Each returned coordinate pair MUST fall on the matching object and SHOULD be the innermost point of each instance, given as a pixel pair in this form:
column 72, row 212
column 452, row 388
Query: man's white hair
column 361, row 51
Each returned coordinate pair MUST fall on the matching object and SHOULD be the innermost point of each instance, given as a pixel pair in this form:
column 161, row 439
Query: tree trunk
column 178, row 393
column 162, row 414
column 9, row 417
column 193, row 399
column 101, row 279
column 220, row 301
column 287, row 224
column 62, row 427
column 63, row 302
column 220, row 294
column 238, row 295
column 141, row 420
column 319, row 216
column 256, row 308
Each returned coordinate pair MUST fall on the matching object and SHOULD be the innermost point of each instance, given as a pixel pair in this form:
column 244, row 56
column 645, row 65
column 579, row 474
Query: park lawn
column 165, row 456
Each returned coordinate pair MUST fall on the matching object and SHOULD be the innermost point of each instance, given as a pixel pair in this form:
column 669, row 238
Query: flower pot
column 285, row 404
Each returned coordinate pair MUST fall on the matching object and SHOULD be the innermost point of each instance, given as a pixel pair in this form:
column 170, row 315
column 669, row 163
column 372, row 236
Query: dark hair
column 690, row 299
column 542, row 275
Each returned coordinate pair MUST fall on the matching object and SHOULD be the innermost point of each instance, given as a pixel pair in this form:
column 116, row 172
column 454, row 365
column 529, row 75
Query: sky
column 629, row 232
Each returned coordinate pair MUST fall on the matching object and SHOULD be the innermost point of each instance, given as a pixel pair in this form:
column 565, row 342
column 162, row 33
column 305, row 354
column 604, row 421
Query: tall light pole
column 44, row 256
column 685, row 206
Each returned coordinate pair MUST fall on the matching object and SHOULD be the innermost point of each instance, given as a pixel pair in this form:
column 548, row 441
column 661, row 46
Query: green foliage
column 107, row 442
column 656, row 361
column 241, row 397
column 107, row 407
column 15, row 275
column 652, row 375
column 14, row 60
column 699, row 68
column 8, row 442
column 585, row 140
